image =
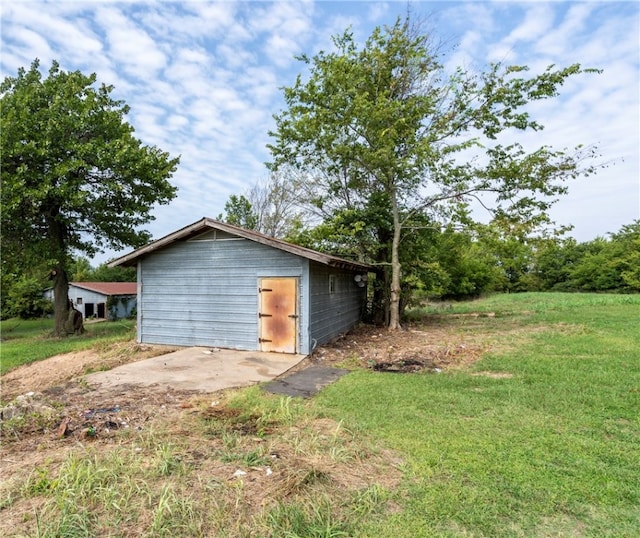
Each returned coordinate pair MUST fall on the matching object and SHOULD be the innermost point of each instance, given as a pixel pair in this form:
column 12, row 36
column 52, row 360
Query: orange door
column 278, row 314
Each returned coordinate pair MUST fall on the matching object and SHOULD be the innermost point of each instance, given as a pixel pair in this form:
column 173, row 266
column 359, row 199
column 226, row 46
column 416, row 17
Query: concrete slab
column 305, row 383
column 199, row 369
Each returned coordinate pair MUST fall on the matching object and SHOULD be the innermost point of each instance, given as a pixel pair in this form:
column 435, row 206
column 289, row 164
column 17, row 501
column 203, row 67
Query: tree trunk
column 380, row 306
column 394, row 301
column 57, row 239
column 61, row 300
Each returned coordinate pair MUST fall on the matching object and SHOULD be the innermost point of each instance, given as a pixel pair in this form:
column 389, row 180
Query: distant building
column 102, row 300
column 214, row 284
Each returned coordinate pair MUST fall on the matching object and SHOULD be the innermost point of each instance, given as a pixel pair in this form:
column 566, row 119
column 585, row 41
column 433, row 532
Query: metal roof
column 108, row 288
column 210, row 224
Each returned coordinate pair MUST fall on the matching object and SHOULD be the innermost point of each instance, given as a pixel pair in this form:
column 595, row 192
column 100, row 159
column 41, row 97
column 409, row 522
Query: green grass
column 26, row 341
column 105, row 495
column 550, row 447
column 163, row 484
column 552, row 451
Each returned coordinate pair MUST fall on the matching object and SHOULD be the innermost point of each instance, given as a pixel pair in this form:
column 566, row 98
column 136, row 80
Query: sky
column 204, row 79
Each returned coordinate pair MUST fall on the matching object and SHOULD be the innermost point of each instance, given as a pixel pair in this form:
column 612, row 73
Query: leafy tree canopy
column 386, row 122
column 239, row 212
column 75, row 178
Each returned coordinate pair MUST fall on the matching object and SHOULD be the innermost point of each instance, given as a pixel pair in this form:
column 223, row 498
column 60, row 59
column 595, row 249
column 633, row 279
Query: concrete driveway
column 199, row 369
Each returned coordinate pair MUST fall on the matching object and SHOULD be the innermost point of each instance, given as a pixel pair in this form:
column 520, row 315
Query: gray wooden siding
column 204, row 292
column 333, row 313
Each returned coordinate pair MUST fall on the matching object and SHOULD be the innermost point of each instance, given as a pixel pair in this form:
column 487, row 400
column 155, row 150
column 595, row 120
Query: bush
column 24, row 299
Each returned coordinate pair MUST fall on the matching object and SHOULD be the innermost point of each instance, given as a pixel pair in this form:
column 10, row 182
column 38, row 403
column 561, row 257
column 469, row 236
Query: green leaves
column 386, row 118
column 74, row 178
column 238, row 211
column 69, row 155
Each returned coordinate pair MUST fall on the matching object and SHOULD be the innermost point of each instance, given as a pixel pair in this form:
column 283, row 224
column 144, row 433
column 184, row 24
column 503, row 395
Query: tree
column 610, row 264
column 269, row 206
column 385, row 122
column 75, row 179
column 554, row 261
column 238, row 211
column 104, row 273
column 80, row 270
column 24, row 298
column 629, row 254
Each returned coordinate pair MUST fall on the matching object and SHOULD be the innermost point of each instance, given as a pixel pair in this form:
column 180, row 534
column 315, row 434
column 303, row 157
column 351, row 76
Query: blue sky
column 203, row 80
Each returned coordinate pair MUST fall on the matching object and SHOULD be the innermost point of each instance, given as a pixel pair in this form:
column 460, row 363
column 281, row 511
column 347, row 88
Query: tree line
column 461, row 261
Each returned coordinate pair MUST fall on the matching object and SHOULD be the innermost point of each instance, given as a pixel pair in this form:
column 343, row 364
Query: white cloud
column 561, row 39
column 203, row 78
column 376, row 11
column 26, row 46
column 129, row 45
column 538, row 21
column 235, row 58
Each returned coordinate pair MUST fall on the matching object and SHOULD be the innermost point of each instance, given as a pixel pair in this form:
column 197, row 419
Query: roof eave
column 132, row 258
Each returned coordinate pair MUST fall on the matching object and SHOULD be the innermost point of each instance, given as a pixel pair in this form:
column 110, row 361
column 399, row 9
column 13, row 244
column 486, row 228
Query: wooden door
column 278, row 314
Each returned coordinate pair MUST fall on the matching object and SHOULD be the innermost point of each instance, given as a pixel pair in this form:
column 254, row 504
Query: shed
column 215, row 284
column 102, row 300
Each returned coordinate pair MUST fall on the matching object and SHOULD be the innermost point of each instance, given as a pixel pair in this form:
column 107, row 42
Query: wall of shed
column 333, row 313
column 204, row 292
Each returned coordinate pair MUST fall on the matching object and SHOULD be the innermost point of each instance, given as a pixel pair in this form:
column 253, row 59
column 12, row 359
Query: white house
column 102, row 300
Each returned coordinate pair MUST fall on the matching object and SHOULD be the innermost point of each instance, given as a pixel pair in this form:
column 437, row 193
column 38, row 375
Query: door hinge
column 261, row 340
column 293, row 316
column 261, row 315
column 260, row 290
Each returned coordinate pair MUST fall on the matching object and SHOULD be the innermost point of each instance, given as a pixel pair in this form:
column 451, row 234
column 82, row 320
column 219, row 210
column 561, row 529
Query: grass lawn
column 538, row 438
column 545, row 443
column 25, row 341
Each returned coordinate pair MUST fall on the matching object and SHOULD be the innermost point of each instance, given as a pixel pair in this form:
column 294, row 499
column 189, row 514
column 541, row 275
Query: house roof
column 210, row 224
column 108, row 288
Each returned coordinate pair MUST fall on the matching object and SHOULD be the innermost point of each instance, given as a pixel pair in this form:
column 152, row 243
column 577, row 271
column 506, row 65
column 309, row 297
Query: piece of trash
column 63, row 429
column 268, row 472
column 213, row 404
column 90, row 432
column 91, row 412
column 437, row 370
column 239, row 472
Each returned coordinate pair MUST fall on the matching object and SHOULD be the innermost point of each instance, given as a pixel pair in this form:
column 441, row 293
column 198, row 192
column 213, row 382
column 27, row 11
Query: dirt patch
column 61, row 368
column 406, row 366
column 417, row 347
